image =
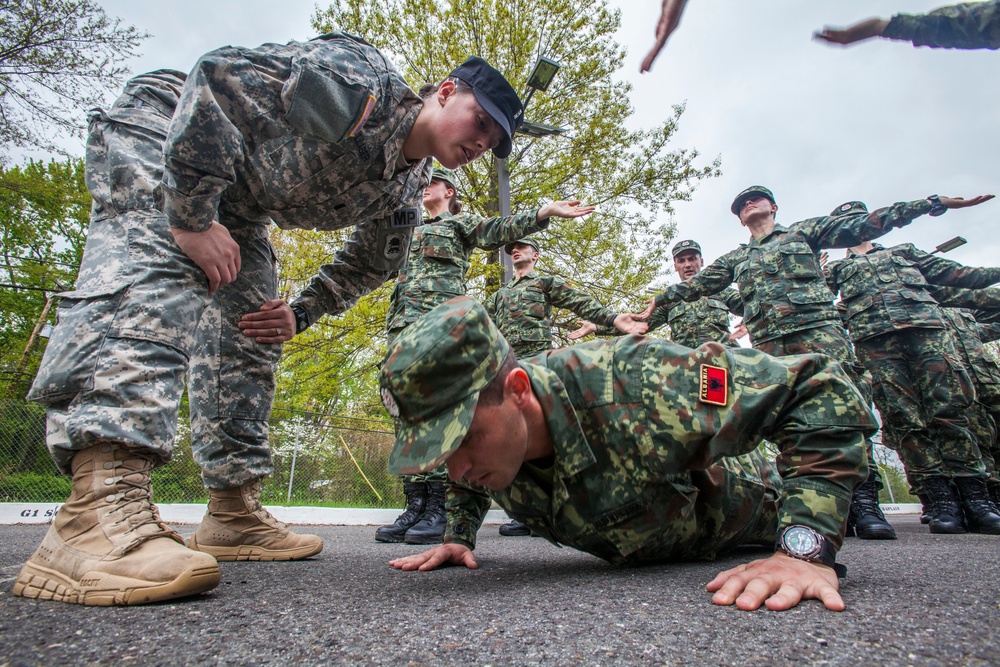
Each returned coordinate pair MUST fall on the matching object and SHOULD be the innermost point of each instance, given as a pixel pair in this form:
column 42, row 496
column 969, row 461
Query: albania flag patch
column 714, row 385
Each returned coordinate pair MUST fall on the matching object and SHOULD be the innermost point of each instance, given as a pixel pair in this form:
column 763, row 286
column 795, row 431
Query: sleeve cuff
column 195, row 214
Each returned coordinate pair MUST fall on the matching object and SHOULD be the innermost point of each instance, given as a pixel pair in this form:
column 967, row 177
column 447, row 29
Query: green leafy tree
column 44, row 211
column 57, row 58
column 633, row 176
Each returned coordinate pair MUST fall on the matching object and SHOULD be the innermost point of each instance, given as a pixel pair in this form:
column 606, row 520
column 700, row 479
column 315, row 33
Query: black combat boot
column 946, row 515
column 865, row 517
column 430, row 528
column 514, row 528
column 994, row 490
column 925, row 513
column 980, row 515
column 416, row 498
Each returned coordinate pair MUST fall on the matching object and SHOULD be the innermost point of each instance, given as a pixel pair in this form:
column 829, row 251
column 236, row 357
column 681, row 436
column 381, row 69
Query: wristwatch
column 804, row 543
column 301, row 319
column 937, row 208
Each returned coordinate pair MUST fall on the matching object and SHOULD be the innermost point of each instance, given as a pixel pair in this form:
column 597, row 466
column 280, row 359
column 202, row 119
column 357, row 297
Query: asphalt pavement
column 920, row 600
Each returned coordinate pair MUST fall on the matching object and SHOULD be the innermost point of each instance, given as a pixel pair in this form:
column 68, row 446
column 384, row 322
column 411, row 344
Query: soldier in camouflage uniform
column 522, row 310
column 634, row 449
column 186, row 174
column 901, row 336
column 969, row 25
column 984, row 370
column 691, row 323
column 435, row 272
column 788, row 306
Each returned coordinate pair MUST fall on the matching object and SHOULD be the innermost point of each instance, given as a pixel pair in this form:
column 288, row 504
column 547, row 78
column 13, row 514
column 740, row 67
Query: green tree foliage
column 632, row 175
column 44, row 211
column 57, row 58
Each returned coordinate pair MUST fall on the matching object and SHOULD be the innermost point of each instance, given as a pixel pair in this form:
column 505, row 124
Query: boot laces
column 251, row 492
column 133, row 498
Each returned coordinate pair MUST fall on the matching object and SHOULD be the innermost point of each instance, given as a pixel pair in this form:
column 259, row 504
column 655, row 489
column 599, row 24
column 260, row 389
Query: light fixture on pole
column 540, row 78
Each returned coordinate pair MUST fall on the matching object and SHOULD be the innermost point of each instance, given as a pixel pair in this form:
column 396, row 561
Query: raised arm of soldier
column 670, row 18
column 969, row 25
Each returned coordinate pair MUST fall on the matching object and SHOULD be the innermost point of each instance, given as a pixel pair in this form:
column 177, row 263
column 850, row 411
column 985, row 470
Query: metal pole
column 503, row 190
column 295, row 455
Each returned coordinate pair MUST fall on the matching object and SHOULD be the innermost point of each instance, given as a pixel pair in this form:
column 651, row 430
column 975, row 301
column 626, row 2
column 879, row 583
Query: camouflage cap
column 527, row 240
column 431, row 379
column 684, row 246
column 746, row 194
column 849, row 208
column 446, row 175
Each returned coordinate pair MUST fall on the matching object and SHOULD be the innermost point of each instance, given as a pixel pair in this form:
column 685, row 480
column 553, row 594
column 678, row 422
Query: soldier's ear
column 517, row 387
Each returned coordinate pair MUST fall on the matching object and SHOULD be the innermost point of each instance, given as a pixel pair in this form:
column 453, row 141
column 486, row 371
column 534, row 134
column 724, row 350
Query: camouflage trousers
column 984, row 422
column 925, row 397
column 832, row 341
column 141, row 317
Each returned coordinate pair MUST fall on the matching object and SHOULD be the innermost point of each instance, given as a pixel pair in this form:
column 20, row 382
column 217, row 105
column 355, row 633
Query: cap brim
column 505, row 146
column 426, row 445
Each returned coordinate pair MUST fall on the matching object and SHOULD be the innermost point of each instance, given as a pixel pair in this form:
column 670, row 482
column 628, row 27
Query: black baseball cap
column 496, row 96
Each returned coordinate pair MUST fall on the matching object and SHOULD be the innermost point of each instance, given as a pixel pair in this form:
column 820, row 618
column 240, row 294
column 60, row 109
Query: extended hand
column 650, row 307
column 444, row 554
column 780, row 582
column 586, row 328
column 670, row 16
column 959, row 202
column 213, row 250
column 630, row 324
column 739, row 332
column 564, row 209
column 855, row 33
column 273, row 323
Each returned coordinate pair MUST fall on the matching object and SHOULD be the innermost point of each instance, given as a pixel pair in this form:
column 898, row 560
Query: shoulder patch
column 714, row 385
column 365, row 113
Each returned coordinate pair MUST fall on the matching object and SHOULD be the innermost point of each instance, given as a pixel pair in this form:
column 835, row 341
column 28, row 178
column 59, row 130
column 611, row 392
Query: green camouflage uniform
column 522, row 310
column 305, row 134
column 788, row 308
column 645, row 469
column 900, row 333
column 694, row 323
column 985, row 373
column 969, row 25
column 436, row 266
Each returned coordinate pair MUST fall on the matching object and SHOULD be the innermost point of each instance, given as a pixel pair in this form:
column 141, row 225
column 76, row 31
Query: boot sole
column 947, row 531
column 425, row 540
column 388, row 540
column 252, row 553
column 100, row 589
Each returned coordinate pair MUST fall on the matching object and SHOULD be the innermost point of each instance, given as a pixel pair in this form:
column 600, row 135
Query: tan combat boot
column 107, row 544
column 237, row 527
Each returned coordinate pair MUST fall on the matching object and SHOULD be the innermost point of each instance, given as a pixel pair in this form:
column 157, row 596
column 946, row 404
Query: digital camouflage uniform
column 644, row 468
column 969, row 25
column 899, row 330
column 522, row 310
column 305, row 134
column 436, row 266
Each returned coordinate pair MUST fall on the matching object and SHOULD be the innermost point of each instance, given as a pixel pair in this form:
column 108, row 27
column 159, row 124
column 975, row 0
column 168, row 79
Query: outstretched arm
column 670, row 17
column 780, row 582
column 858, row 32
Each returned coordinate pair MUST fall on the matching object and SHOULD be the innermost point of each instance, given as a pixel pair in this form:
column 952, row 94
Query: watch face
column 801, row 542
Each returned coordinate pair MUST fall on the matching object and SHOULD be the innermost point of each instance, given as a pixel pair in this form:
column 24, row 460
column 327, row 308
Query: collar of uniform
column 778, row 229
column 393, row 147
column 572, row 451
column 528, row 276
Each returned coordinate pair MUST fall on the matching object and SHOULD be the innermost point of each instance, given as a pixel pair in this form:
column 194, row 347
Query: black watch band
column 301, row 319
column 937, row 208
column 804, row 543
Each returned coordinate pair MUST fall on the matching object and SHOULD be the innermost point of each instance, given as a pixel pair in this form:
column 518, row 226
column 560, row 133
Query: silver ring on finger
column 277, row 331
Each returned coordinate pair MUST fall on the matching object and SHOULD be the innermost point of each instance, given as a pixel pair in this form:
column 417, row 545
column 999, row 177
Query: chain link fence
column 319, row 460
